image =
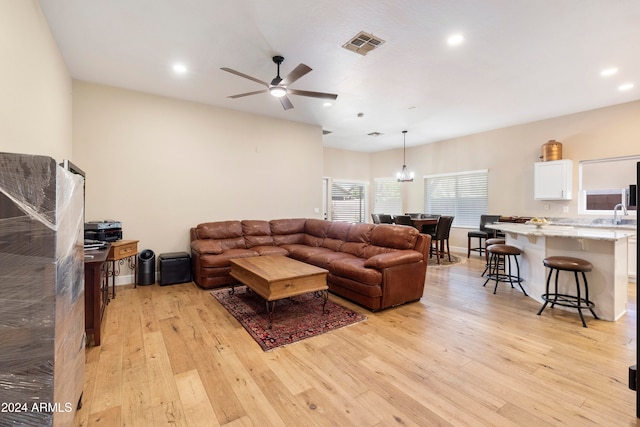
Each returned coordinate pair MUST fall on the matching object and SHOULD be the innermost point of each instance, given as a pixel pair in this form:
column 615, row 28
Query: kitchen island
column 606, row 249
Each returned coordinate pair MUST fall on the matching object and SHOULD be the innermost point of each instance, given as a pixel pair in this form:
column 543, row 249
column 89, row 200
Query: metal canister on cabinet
column 552, row 150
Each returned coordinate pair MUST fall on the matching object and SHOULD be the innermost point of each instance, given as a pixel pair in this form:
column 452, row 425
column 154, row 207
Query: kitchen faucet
column 616, row 221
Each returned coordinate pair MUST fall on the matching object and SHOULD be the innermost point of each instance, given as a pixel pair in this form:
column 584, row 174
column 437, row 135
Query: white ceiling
column 522, row 60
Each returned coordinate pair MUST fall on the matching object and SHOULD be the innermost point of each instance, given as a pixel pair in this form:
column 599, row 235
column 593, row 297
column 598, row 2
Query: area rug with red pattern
column 294, row 319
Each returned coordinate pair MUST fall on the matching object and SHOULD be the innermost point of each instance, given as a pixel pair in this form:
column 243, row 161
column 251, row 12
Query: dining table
column 419, row 223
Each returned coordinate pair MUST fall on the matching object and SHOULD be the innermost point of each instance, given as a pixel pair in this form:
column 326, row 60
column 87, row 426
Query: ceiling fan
column 279, row 86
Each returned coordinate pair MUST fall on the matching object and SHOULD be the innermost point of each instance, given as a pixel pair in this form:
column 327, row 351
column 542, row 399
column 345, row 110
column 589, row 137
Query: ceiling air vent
column 363, row 43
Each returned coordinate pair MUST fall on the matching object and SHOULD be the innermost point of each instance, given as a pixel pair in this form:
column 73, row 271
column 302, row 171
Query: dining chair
column 429, row 228
column 404, row 220
column 440, row 238
column 376, row 218
column 385, row 219
column 482, row 234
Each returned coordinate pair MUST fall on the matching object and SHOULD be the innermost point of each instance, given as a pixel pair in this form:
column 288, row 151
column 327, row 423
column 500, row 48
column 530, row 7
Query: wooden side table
column 121, row 251
column 96, row 292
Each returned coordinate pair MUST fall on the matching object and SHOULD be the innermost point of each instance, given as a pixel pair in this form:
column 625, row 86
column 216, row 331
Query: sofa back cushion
column 336, row 235
column 393, row 236
column 287, row 231
column 228, row 233
column 315, row 230
column 257, row 233
column 388, row 238
column 357, row 239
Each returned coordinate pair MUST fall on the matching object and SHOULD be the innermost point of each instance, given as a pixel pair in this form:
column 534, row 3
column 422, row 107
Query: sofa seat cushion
column 324, row 259
column 353, row 268
column 303, row 252
column 354, row 289
column 224, row 259
column 270, row 250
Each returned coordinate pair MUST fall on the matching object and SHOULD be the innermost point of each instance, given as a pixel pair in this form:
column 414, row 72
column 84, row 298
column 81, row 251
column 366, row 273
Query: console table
column 96, row 292
column 121, row 251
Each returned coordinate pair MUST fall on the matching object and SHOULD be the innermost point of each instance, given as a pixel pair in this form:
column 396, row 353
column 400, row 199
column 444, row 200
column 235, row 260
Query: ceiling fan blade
column 297, row 72
column 320, row 95
column 238, row 73
column 240, row 95
column 286, row 103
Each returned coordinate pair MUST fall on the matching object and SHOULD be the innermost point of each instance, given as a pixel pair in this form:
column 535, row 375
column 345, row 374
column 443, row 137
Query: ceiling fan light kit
column 278, row 87
column 278, row 91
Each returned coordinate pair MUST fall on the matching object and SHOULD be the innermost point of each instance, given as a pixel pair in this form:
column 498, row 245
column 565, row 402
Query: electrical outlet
column 547, row 206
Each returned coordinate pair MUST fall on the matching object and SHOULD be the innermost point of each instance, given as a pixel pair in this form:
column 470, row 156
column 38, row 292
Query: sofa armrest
column 392, row 259
column 206, row 246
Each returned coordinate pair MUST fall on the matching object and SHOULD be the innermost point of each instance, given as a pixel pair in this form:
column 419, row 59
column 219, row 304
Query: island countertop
column 569, row 231
column 605, row 248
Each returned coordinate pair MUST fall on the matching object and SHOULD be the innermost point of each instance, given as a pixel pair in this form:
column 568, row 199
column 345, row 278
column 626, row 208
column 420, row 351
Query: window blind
column 348, row 201
column 464, row 195
column 387, row 196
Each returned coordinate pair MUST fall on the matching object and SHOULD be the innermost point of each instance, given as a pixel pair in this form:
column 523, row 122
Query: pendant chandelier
column 404, row 175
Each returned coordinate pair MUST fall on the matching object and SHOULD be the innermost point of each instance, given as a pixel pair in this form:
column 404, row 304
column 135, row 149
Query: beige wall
column 509, row 155
column 35, row 86
column 162, row 165
column 342, row 164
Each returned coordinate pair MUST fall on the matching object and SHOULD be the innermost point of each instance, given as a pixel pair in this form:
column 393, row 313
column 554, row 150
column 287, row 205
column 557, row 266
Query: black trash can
column 146, row 267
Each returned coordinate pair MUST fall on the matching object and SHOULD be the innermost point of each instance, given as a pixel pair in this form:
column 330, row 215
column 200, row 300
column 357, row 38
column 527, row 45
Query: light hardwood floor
column 461, row 356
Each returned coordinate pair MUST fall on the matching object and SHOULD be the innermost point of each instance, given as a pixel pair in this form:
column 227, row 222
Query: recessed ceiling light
column 455, row 39
column 625, row 86
column 609, row 72
column 327, row 104
column 179, row 68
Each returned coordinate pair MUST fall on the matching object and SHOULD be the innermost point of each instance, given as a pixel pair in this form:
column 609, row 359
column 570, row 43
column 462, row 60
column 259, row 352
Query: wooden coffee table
column 277, row 277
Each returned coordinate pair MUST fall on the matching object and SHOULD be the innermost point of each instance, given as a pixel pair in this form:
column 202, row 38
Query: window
column 387, row 196
column 349, row 201
column 606, row 182
column 464, row 195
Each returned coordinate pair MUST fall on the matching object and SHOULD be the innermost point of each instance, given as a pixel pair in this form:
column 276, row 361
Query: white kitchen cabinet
column 552, row 180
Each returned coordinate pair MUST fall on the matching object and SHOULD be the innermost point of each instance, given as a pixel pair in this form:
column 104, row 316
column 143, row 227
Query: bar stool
column 576, row 265
column 503, row 253
column 489, row 242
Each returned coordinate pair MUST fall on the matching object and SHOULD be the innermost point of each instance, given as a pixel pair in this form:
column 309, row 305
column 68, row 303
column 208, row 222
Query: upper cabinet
column 552, row 180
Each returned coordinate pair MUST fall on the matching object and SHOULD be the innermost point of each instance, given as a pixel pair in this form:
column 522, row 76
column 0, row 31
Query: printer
column 104, row 231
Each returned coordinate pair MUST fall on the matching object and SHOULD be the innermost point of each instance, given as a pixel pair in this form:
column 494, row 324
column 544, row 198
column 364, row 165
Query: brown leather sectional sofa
column 376, row 266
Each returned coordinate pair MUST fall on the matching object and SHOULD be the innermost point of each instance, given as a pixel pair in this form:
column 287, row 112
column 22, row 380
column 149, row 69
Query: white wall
column 35, row 86
column 161, row 165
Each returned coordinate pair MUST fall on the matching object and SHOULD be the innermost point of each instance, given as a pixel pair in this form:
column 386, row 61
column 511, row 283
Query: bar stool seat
column 489, row 242
column 501, row 253
column 495, row 241
column 576, row 265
